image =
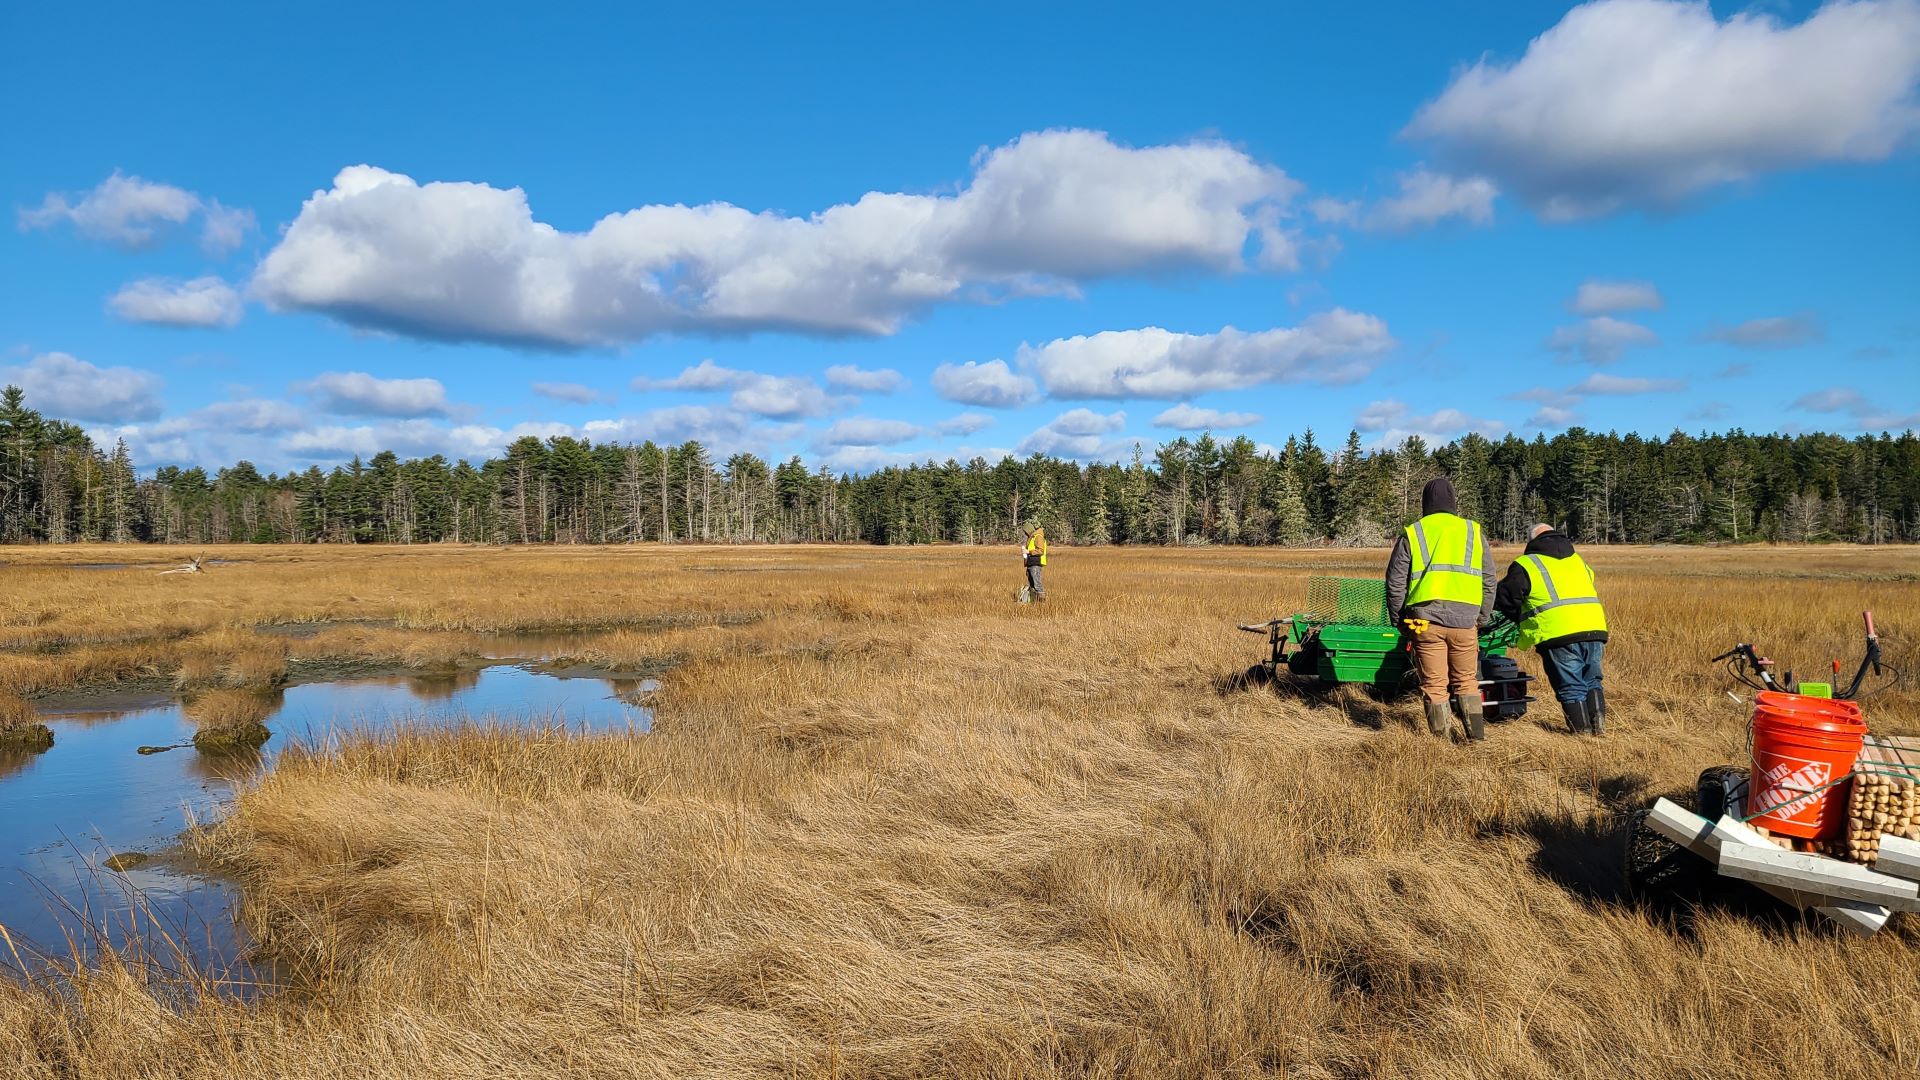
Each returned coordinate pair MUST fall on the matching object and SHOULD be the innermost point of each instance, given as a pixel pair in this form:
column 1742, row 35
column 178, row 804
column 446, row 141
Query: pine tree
column 1136, row 495
column 120, row 483
column 1290, row 523
column 1098, row 530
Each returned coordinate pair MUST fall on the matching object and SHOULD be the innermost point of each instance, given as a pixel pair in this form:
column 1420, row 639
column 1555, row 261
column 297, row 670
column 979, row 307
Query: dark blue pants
column 1573, row 669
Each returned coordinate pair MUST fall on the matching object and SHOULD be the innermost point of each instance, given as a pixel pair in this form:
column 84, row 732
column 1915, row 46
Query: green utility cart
column 1342, row 636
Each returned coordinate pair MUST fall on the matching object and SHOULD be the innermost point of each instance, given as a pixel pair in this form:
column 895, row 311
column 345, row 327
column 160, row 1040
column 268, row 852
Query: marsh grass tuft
column 20, row 726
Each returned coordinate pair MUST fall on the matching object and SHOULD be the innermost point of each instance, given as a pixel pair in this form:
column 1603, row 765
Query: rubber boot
column 1577, row 720
column 1596, row 712
column 1474, row 717
column 1439, row 718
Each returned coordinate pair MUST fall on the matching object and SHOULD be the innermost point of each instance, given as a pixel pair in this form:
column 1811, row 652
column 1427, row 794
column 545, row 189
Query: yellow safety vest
column 1037, row 545
column 1446, row 561
column 1561, row 600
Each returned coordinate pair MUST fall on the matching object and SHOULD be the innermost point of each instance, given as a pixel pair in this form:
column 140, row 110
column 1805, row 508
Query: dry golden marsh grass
column 891, row 824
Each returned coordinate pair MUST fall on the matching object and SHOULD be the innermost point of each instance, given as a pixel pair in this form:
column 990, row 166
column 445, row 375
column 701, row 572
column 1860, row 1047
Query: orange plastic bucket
column 1800, row 745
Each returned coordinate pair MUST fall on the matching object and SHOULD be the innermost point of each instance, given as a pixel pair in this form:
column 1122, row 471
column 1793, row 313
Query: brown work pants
column 1449, row 661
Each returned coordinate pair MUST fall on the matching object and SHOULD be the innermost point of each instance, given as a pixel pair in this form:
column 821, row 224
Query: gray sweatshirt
column 1439, row 612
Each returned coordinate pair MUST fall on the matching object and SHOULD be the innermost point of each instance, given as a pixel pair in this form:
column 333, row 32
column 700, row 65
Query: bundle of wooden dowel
column 1880, row 803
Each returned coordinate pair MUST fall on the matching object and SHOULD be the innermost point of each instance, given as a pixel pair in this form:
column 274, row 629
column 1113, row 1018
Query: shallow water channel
column 95, row 795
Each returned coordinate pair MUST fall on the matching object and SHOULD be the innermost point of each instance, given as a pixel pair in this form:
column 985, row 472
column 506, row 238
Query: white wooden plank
column 1683, row 827
column 1705, row 838
column 1862, row 918
column 1859, row 916
column 1818, row 875
column 1899, row 857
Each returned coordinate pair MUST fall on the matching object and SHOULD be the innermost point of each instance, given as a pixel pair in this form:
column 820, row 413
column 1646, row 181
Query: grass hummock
column 20, row 725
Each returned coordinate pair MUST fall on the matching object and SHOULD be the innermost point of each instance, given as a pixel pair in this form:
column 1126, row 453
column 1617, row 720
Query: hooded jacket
column 1436, row 498
column 1511, row 597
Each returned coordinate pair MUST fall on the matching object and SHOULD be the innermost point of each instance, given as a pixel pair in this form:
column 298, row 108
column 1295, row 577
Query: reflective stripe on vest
column 1459, row 572
column 1561, row 600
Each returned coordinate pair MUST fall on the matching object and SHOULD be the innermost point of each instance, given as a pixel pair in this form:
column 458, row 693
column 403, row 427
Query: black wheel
column 1720, row 789
column 1255, row 677
column 1653, row 864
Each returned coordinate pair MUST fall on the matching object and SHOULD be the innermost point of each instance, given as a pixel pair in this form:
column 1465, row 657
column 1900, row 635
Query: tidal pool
column 96, row 795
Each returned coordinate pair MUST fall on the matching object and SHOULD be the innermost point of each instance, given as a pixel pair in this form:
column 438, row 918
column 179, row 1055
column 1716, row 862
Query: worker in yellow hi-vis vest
column 1440, row 587
column 1033, row 555
column 1551, row 592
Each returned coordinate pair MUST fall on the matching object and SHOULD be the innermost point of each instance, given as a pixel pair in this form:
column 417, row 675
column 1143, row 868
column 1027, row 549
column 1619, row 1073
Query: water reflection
column 93, row 795
column 12, row 761
column 443, row 685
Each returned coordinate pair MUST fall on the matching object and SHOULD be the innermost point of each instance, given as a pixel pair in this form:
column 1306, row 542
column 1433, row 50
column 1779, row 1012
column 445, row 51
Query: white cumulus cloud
column 966, row 423
column 1552, row 416
column 991, row 384
column 868, row 431
column 1392, row 423
column 133, row 214
column 1776, row 332
column 356, row 393
column 1331, row 211
column 1081, row 434
column 1644, row 102
column 866, row 459
column 1427, row 198
column 204, row 302
column 1616, row 385
column 69, row 388
column 223, row 228
column 1596, row 297
column 253, row 415
column 864, row 380
column 1866, row 413
column 416, row 437
column 574, row 393
column 1185, row 417
column 1600, row 340
column 723, row 430
column 1331, row 347
column 467, row 261
column 781, row 397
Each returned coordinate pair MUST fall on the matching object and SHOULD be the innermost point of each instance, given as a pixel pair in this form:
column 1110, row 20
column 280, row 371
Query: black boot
column 1439, row 719
column 1473, row 716
column 1577, row 719
column 1596, row 711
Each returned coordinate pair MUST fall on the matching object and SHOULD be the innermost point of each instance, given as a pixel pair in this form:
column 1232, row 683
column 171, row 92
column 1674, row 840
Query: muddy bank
column 26, row 738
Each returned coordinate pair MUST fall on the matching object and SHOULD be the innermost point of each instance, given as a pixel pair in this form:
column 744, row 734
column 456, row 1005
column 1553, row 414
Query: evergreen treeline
column 57, row 486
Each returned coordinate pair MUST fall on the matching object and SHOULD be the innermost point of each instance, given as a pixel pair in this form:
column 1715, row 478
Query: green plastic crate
column 1363, row 639
column 1381, row 669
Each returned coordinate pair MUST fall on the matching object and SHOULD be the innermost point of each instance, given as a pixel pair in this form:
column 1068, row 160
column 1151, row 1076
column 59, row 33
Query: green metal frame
column 1345, row 631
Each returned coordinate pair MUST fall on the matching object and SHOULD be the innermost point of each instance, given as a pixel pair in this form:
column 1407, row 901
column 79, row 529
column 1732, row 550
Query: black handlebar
column 1760, row 665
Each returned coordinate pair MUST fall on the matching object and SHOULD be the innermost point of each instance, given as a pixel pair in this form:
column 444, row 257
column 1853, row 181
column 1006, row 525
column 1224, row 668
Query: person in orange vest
column 1440, row 586
column 1551, row 593
column 1033, row 555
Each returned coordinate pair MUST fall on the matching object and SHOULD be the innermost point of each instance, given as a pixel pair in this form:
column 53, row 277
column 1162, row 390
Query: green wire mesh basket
column 1347, row 601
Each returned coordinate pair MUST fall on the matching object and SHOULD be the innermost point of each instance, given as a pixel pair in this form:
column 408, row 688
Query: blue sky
column 885, row 235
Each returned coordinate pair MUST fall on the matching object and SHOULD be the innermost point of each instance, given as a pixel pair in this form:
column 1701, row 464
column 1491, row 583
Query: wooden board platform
column 1899, row 753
